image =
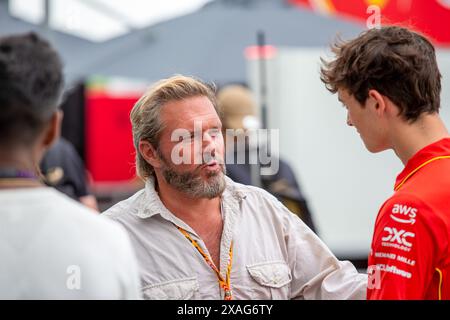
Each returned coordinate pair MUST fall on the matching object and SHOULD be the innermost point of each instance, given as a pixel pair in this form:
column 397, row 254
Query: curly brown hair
column 398, row 63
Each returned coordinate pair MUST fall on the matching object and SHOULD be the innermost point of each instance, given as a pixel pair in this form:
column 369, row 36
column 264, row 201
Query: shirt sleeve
column 402, row 254
column 316, row 273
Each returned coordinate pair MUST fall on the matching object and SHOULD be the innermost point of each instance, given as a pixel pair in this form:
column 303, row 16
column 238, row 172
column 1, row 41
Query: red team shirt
column 410, row 256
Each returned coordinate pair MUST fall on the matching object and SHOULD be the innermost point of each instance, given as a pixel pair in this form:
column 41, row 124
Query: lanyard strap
column 223, row 283
column 16, row 178
column 12, row 173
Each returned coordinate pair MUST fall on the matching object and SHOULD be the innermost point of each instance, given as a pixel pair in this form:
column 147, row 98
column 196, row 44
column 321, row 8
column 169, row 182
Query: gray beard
column 192, row 184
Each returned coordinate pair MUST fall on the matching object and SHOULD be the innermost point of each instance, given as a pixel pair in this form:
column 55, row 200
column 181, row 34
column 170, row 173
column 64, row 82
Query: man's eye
column 186, row 138
column 214, row 132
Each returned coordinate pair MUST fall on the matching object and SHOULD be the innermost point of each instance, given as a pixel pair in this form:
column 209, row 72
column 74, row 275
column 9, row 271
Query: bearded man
column 199, row 235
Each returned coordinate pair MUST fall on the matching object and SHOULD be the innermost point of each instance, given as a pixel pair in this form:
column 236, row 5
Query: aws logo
column 404, row 214
column 398, row 236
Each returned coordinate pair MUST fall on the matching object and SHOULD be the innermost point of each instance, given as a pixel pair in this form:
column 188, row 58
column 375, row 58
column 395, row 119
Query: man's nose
column 209, row 142
column 209, row 148
column 349, row 121
column 207, row 139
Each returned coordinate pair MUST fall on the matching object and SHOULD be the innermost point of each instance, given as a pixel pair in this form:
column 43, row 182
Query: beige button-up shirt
column 275, row 255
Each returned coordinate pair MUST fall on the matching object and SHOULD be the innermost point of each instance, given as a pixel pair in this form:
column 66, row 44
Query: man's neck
column 17, row 159
column 202, row 215
column 22, row 161
column 408, row 139
column 193, row 211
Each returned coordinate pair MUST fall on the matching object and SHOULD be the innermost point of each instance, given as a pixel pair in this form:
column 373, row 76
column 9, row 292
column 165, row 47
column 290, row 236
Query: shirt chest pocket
column 180, row 289
column 271, row 280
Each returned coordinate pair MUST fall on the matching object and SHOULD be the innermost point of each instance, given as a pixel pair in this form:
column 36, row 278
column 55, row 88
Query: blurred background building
column 114, row 49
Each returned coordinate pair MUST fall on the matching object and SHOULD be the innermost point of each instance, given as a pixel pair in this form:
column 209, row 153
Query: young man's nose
column 349, row 121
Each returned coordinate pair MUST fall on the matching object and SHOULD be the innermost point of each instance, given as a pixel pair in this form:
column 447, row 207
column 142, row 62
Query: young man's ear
column 53, row 130
column 377, row 101
column 148, row 152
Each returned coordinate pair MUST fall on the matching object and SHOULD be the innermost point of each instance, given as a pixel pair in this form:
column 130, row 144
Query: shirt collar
column 424, row 156
column 150, row 204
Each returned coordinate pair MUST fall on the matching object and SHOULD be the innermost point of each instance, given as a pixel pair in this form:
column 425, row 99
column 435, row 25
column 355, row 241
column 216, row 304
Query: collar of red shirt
column 423, row 157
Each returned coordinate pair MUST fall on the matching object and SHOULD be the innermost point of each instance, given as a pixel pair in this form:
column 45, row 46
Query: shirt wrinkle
column 261, row 230
column 150, row 205
column 231, row 212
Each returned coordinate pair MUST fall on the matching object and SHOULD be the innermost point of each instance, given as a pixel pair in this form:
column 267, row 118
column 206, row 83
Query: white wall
column 344, row 183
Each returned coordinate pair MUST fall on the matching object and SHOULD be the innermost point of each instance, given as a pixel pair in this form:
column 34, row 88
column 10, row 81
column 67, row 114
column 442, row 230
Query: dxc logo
column 399, row 236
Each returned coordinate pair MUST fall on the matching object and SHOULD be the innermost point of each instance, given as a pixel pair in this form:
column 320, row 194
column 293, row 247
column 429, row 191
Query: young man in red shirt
column 389, row 82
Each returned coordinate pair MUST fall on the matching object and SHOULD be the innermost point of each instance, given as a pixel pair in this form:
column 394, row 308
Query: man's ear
column 148, row 152
column 376, row 100
column 53, row 131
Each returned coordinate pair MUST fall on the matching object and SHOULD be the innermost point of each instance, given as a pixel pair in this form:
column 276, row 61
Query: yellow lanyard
column 224, row 284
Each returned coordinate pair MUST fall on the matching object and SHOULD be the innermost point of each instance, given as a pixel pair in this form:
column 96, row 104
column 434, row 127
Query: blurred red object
column 431, row 17
column 109, row 144
column 258, row 52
